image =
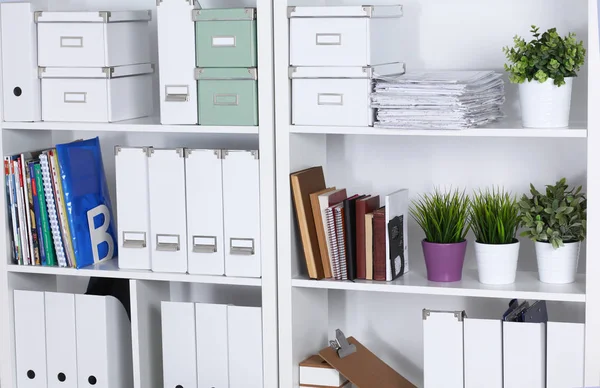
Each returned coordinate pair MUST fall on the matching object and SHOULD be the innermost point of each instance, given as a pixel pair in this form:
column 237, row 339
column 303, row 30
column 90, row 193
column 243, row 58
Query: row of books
column 58, row 206
column 350, row 237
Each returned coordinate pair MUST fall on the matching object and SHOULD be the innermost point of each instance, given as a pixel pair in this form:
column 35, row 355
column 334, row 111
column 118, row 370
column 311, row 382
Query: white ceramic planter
column 497, row 264
column 557, row 266
column 545, row 105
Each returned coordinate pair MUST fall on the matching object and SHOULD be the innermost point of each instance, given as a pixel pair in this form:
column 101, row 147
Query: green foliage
column 548, row 55
column 444, row 217
column 557, row 217
column 494, row 217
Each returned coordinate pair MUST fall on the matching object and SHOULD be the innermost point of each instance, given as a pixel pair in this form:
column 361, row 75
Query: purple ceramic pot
column 444, row 261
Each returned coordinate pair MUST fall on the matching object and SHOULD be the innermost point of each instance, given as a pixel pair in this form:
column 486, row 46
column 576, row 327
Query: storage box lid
column 225, row 73
column 223, row 14
column 92, row 16
column 367, row 72
column 364, row 11
column 95, row 72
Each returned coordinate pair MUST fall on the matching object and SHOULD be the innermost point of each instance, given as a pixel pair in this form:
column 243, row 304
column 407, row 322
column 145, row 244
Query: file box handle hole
column 177, row 93
column 134, row 239
column 75, row 97
column 223, row 41
column 241, row 246
column 204, row 244
column 328, row 39
column 330, row 99
column 71, row 41
column 167, row 242
column 226, row 99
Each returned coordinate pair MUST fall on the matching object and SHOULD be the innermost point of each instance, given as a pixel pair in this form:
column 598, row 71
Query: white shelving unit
column 147, row 288
column 387, row 317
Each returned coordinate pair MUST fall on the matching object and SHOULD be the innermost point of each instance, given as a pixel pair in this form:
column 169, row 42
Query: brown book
column 304, row 183
column 369, row 246
column 318, row 218
column 364, row 369
column 363, row 206
column 379, row 234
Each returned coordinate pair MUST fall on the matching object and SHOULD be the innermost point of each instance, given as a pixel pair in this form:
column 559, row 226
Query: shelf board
column 526, row 286
column 146, row 124
column 504, row 128
column 110, row 269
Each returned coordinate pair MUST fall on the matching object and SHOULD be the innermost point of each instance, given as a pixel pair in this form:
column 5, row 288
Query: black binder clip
column 341, row 345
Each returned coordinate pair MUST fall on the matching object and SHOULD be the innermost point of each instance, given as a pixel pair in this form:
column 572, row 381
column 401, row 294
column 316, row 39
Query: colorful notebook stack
column 350, row 237
column 59, row 207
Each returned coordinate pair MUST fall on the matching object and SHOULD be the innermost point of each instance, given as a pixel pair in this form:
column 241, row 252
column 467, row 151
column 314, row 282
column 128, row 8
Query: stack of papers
column 438, row 99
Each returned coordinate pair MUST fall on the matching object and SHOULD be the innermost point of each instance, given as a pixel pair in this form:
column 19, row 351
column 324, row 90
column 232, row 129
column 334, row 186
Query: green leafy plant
column 558, row 216
column 444, row 217
column 494, row 216
column 548, row 55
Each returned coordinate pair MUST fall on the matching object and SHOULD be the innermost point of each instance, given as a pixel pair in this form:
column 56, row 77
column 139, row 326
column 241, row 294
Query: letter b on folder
column 98, row 234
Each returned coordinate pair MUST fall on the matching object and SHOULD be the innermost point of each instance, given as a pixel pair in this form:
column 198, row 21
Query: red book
column 363, row 207
column 379, row 269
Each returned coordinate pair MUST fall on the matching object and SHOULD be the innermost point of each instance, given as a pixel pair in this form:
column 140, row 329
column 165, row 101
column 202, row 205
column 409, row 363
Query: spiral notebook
column 52, row 215
column 341, row 240
column 331, row 232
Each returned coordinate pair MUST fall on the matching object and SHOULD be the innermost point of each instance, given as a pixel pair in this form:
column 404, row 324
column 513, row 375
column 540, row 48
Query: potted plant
column 494, row 218
column 556, row 221
column 544, row 68
column 444, row 217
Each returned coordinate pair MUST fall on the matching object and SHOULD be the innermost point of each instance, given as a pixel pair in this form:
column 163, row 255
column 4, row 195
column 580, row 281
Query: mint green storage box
column 227, row 96
column 225, row 37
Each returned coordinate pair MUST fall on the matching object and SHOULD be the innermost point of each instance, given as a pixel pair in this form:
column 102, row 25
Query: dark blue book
column 87, row 201
column 36, row 212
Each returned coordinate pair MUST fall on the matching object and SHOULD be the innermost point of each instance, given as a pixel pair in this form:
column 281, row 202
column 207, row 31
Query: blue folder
column 87, row 201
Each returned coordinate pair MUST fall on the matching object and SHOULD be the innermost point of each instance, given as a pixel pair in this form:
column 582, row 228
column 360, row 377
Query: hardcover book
column 304, row 183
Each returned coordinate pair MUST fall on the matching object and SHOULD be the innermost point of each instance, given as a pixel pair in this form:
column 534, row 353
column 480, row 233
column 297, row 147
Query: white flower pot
column 545, row 105
column 557, row 266
column 497, row 264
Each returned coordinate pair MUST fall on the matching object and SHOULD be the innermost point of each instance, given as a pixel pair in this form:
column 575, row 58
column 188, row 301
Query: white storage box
column 96, row 94
column 316, row 372
column 335, row 95
column 343, row 36
column 93, row 39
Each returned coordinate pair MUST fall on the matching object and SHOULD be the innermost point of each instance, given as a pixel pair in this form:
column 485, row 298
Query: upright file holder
column 166, row 180
column 564, row 354
column 212, row 345
column 30, row 339
column 61, row 341
column 524, row 354
column 244, row 343
column 443, row 348
column 204, row 207
column 103, row 333
column 363, row 368
column 177, row 58
column 241, row 213
column 178, row 322
column 21, row 89
column 131, row 170
column 483, row 353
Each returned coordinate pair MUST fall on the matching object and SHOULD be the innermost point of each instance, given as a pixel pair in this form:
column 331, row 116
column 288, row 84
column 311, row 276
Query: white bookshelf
column 147, row 288
column 504, row 128
column 387, row 317
column 144, row 125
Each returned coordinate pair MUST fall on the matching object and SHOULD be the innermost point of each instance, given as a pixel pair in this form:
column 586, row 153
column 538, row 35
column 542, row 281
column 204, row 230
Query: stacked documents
column 438, row 99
